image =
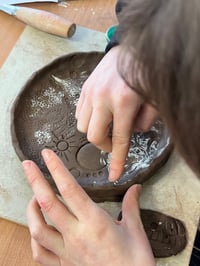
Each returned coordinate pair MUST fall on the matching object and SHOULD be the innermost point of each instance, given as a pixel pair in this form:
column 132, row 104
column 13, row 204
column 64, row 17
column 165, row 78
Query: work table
column 174, row 182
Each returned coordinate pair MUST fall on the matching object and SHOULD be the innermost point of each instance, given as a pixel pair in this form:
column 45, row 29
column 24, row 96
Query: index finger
column 121, row 135
column 74, row 196
column 118, row 157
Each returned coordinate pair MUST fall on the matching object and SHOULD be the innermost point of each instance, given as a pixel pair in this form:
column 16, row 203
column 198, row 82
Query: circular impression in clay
column 43, row 116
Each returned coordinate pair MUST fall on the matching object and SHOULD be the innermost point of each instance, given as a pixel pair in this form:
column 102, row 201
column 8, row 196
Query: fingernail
column 26, row 166
column 46, row 154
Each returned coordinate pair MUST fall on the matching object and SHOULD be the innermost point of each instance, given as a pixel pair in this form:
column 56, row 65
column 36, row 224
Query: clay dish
column 43, row 116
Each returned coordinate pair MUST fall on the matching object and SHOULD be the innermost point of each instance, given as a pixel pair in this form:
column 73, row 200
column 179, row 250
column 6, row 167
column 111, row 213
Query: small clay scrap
column 167, row 235
column 43, row 116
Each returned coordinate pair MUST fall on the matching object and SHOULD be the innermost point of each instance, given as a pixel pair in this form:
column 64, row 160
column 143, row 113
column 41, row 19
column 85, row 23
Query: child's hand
column 82, row 233
column 106, row 99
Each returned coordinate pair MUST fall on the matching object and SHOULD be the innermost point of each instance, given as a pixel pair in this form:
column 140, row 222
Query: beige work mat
column 174, row 190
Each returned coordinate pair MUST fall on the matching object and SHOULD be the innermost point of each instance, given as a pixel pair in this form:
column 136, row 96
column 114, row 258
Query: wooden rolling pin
column 42, row 20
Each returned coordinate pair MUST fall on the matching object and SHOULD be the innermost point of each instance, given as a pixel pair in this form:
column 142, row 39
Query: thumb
column 131, row 209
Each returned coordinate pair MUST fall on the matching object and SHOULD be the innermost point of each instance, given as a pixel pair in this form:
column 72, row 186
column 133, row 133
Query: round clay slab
column 43, row 116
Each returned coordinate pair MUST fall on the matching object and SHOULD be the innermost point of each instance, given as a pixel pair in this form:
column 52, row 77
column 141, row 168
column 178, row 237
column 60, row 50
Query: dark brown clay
column 43, row 115
column 167, row 235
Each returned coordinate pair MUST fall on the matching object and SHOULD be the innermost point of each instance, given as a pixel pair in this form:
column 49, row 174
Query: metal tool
column 42, row 20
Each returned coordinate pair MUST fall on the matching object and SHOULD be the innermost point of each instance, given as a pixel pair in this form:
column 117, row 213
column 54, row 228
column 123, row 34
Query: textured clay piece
column 43, row 115
column 166, row 234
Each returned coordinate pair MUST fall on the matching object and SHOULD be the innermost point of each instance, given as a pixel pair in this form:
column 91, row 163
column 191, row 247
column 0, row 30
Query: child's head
column 161, row 60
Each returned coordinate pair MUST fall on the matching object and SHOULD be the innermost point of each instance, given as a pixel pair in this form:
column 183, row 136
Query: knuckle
column 120, row 140
column 121, row 102
column 68, row 191
column 125, row 96
column 32, row 178
column 36, row 233
column 102, row 92
column 46, row 204
column 54, row 166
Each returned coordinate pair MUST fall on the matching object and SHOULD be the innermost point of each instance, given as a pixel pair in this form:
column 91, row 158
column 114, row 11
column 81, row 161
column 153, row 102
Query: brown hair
column 161, row 61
